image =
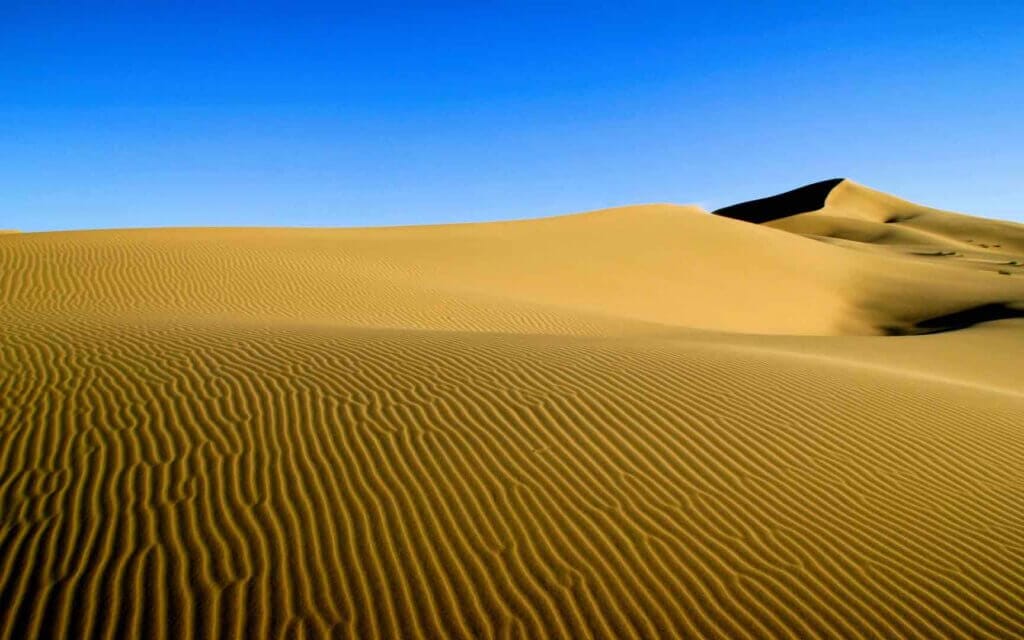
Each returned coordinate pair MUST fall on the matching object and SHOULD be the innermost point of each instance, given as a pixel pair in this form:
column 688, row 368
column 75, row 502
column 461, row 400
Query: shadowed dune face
column 807, row 198
column 557, row 428
column 990, row 312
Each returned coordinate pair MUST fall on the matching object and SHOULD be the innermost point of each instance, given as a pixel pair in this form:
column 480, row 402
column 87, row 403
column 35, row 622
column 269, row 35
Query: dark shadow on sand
column 960, row 319
column 807, row 198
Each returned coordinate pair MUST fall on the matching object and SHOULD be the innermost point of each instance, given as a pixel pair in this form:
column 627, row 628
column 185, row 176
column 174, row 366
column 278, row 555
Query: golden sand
column 647, row 422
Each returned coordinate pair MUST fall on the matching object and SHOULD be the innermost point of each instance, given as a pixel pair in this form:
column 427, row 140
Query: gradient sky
column 209, row 113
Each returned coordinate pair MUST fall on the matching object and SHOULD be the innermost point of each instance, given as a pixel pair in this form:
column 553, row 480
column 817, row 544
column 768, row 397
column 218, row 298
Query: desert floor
column 802, row 417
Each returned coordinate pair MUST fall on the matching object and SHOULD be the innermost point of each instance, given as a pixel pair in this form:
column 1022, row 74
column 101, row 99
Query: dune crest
column 640, row 422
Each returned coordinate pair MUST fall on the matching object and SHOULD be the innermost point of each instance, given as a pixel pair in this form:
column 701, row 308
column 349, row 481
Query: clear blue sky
column 208, row 113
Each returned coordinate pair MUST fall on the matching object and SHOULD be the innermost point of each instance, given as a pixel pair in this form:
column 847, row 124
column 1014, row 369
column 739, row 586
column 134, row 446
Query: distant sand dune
column 564, row 427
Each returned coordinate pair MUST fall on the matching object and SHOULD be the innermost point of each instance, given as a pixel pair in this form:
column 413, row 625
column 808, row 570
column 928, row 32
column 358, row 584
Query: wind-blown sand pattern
column 566, row 427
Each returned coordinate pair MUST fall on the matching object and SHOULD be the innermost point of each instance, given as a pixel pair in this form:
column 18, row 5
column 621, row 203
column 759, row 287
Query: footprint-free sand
column 800, row 417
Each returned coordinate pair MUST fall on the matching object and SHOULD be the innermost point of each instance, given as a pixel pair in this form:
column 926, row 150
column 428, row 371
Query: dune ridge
column 640, row 422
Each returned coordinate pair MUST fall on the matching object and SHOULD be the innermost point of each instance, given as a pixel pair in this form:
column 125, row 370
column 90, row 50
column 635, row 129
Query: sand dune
column 640, row 422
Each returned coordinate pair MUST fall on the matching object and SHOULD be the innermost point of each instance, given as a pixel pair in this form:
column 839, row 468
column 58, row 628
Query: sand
column 648, row 421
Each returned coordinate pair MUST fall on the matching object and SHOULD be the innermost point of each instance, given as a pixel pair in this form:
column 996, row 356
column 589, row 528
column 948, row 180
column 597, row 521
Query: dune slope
column 642, row 422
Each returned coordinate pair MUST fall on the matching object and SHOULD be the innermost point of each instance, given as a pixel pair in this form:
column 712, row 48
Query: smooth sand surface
column 647, row 422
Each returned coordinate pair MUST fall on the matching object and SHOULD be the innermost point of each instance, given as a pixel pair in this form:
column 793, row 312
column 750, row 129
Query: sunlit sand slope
column 655, row 265
column 520, row 429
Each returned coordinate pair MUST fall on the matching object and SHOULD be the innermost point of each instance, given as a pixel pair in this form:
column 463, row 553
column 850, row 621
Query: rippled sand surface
column 641, row 422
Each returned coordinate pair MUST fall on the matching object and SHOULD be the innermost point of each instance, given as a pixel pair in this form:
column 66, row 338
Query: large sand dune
column 641, row 422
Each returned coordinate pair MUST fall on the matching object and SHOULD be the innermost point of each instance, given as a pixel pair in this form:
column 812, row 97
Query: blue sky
column 120, row 114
